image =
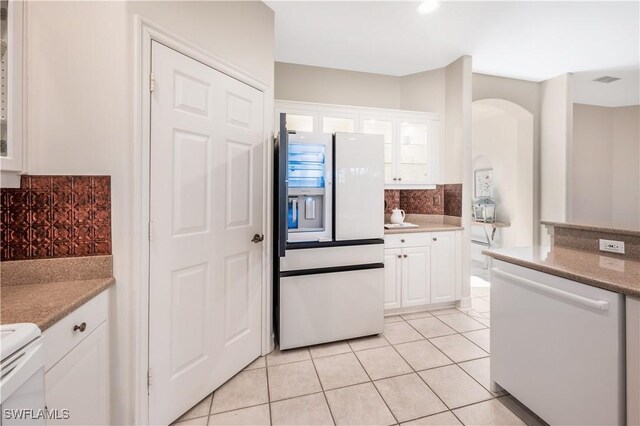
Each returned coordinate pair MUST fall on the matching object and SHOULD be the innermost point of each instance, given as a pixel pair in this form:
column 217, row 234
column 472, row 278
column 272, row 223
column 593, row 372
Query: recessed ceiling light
column 428, row 6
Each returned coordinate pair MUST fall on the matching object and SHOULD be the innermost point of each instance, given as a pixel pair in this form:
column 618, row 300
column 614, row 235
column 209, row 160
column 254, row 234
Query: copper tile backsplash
column 444, row 200
column 56, row 216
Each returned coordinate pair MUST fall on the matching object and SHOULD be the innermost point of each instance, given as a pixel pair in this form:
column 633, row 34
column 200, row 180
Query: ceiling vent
column 606, row 79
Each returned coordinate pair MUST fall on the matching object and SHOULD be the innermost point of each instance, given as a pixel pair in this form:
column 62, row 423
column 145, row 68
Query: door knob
column 399, row 256
column 257, row 238
column 404, row 255
column 435, row 239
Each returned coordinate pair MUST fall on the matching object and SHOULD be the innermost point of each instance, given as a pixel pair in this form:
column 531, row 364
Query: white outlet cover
column 612, row 246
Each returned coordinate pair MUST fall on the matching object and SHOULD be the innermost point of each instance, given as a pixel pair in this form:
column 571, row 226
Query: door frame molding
column 144, row 33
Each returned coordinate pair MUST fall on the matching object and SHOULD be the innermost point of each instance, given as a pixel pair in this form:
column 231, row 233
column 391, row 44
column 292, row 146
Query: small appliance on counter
column 329, row 246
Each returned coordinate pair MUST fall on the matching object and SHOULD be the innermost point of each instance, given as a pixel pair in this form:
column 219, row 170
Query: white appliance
column 558, row 346
column 22, row 375
column 330, row 228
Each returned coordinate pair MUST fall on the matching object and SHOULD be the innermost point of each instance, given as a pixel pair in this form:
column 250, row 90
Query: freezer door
column 359, row 186
column 327, row 307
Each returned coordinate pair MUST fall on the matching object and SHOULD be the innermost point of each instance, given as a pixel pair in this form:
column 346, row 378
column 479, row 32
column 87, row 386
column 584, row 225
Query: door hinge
column 150, row 230
column 152, row 82
column 148, row 377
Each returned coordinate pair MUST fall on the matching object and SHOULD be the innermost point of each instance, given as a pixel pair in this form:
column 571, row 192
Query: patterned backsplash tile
column 444, row 200
column 453, row 200
column 56, row 216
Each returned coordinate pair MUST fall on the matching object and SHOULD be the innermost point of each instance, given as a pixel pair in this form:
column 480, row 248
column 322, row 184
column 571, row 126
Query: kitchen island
column 565, row 336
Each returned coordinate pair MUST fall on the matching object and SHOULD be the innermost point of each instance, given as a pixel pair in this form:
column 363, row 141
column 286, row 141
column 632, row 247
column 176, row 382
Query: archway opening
column 503, row 143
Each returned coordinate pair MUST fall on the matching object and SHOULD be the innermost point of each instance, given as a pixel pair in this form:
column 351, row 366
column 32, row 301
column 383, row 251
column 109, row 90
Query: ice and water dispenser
column 309, row 170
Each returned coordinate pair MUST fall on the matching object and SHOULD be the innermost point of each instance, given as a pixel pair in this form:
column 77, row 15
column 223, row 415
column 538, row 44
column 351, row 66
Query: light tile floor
column 427, row 368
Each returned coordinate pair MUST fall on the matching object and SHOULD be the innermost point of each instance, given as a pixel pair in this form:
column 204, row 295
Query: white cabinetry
column 443, row 266
column 77, row 366
column 412, row 143
column 416, row 262
column 392, row 278
column 422, row 269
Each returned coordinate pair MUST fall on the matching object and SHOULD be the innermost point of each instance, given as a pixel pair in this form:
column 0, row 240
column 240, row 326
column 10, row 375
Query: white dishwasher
column 558, row 346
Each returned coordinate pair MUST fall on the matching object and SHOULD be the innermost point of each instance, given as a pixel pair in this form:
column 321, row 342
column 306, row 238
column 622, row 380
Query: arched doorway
column 503, row 141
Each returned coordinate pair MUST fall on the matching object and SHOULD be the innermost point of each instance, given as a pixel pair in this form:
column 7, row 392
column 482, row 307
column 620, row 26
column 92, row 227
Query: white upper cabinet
column 12, row 34
column 411, row 138
column 332, row 123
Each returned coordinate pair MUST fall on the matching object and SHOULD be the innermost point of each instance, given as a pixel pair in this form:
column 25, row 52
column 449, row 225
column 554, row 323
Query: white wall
column 606, row 166
column 80, row 110
column 424, row 91
column 502, row 139
column 525, row 94
column 304, row 83
column 556, row 115
column 626, row 168
column 458, row 89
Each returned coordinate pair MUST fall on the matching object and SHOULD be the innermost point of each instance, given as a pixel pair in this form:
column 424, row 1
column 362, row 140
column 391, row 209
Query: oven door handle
column 602, row 305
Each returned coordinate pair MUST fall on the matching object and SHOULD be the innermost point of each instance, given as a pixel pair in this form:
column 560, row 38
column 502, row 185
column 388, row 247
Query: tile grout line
column 210, row 408
column 418, row 374
column 454, row 363
column 322, row 386
column 374, row 385
column 266, row 372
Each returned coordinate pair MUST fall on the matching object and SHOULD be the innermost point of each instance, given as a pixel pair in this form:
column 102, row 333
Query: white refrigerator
column 329, row 279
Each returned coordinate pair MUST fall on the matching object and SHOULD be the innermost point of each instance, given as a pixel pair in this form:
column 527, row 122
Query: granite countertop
column 426, row 223
column 596, row 228
column 43, row 291
column 621, row 275
column 424, row 227
column 44, row 304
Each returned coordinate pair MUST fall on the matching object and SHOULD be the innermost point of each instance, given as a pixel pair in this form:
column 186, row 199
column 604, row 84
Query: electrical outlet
column 612, row 246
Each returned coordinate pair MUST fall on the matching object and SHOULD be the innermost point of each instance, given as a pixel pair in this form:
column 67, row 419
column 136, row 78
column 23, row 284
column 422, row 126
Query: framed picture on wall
column 483, row 179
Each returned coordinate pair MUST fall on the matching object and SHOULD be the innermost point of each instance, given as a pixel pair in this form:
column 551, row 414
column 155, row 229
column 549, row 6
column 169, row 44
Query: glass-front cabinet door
column 345, row 123
column 11, row 34
column 414, row 154
column 383, row 127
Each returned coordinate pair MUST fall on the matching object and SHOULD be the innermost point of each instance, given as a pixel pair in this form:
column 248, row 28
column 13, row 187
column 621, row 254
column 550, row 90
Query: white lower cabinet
column 421, row 268
column 392, row 278
column 77, row 366
column 415, row 285
column 443, row 267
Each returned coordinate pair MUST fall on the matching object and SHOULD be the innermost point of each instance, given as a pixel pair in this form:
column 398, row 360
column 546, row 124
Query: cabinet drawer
column 418, row 239
column 331, row 256
column 60, row 338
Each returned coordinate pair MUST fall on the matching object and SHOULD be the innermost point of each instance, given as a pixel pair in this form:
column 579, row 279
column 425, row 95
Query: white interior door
column 205, row 207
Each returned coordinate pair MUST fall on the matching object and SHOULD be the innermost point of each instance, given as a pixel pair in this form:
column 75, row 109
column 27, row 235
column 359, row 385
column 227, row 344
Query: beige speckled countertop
column 426, row 223
column 45, row 304
column 621, row 275
column 44, row 291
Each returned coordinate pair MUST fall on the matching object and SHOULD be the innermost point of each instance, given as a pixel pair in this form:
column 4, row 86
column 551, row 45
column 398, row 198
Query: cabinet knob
column 402, row 241
column 82, row 327
column 399, row 256
column 435, row 239
column 399, row 178
column 404, row 255
column 395, row 178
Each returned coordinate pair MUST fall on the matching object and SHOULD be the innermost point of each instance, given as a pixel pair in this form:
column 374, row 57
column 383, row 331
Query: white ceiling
column 623, row 92
column 528, row 40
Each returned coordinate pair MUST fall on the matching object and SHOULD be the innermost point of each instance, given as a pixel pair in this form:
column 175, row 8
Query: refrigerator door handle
column 283, row 185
